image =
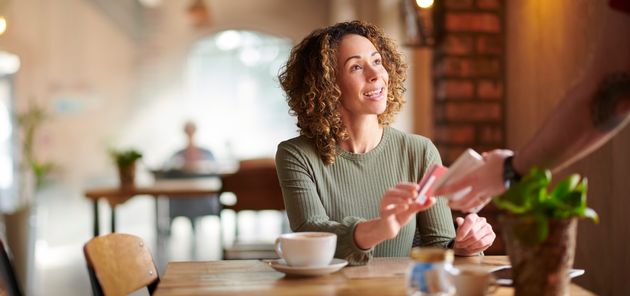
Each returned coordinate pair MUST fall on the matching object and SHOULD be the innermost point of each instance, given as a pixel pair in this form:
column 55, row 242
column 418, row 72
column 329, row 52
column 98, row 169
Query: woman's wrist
column 370, row 233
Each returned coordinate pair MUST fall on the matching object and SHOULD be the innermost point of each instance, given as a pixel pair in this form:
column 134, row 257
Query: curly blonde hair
column 313, row 94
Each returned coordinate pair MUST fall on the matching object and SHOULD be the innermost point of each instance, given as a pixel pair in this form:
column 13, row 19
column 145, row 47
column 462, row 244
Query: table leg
column 113, row 219
column 158, row 229
column 96, row 218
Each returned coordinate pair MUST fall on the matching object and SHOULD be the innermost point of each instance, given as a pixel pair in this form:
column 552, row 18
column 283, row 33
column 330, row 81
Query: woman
column 348, row 172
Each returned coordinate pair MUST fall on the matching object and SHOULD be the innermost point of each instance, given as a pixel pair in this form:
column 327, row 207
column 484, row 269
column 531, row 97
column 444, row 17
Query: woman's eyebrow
column 358, row 57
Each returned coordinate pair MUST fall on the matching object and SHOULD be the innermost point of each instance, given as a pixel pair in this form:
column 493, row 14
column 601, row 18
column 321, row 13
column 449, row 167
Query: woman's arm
column 357, row 236
column 398, row 207
column 305, row 209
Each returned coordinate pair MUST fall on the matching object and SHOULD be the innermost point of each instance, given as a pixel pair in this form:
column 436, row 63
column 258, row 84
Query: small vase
column 127, row 176
column 21, row 235
column 543, row 268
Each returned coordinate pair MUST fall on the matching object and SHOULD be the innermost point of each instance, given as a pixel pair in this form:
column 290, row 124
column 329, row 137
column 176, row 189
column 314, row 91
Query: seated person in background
column 349, row 172
column 191, row 158
column 191, row 162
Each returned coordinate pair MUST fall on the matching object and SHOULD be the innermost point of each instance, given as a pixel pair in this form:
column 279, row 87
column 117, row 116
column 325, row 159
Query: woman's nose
column 372, row 73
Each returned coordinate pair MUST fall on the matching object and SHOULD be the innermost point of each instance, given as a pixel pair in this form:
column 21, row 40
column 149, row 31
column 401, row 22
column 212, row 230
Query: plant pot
column 540, row 269
column 127, row 176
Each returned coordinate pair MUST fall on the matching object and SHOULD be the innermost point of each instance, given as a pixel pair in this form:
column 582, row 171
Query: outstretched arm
column 590, row 113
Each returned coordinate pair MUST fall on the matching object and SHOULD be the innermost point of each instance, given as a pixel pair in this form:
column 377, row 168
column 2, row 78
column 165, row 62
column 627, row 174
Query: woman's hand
column 474, row 235
column 399, row 205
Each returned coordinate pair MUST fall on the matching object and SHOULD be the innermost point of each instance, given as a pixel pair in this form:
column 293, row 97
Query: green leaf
column 125, row 158
column 591, row 214
column 564, row 187
column 518, row 199
column 530, row 199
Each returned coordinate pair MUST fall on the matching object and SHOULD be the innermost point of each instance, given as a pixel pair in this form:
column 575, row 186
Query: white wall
column 100, row 84
column 74, row 57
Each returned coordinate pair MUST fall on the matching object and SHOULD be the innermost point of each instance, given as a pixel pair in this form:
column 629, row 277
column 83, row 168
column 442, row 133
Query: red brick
column 489, row 89
column 456, row 67
column 455, row 89
column 457, row 44
column 487, row 67
column 455, row 134
column 482, row 112
column 491, row 134
column 439, row 113
column 489, row 45
column 488, row 4
column 473, row 22
column 459, row 4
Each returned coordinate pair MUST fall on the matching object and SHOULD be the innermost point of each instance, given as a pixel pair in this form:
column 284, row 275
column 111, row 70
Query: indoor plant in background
column 32, row 176
column 540, row 229
column 126, row 163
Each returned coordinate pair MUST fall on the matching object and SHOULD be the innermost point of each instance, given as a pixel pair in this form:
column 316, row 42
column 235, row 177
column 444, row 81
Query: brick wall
column 469, row 77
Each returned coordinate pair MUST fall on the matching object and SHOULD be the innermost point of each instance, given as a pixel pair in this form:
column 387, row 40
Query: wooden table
column 382, row 276
column 176, row 188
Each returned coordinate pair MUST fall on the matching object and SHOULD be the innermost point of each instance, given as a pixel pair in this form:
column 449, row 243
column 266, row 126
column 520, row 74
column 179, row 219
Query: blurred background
column 81, row 77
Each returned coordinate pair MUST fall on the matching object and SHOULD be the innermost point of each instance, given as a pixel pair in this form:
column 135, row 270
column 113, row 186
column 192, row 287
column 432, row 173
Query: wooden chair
column 119, row 264
column 255, row 185
column 256, row 188
column 8, row 282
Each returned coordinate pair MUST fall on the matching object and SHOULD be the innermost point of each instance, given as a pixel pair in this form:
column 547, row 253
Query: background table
column 382, row 276
column 179, row 188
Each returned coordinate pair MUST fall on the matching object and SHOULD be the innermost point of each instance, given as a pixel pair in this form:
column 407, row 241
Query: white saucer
column 281, row 266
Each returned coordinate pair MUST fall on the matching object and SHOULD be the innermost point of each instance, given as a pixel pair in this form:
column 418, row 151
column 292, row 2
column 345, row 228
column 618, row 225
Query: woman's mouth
column 374, row 94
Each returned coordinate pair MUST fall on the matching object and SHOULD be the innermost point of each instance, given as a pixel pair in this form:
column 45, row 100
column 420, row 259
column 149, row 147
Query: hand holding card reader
column 465, row 164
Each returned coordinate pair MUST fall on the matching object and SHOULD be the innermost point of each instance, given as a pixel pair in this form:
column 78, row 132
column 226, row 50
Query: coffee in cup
column 307, row 249
column 472, row 281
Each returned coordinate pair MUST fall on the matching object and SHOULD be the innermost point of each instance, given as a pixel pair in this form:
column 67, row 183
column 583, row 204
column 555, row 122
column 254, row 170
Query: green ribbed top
column 334, row 198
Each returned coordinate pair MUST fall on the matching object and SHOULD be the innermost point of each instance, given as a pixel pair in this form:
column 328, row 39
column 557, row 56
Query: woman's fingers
column 401, row 200
column 393, row 209
column 417, row 207
column 466, row 227
column 474, row 235
column 478, row 238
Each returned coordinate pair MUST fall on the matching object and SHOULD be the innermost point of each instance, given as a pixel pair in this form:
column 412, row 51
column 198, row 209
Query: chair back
column 255, row 185
column 8, row 282
column 119, row 264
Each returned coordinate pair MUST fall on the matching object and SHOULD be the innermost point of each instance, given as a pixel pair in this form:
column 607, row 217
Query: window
column 233, row 89
column 9, row 64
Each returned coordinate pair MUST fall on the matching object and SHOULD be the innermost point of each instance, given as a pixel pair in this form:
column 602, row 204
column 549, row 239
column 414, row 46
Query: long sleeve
column 336, row 197
column 435, row 226
column 305, row 209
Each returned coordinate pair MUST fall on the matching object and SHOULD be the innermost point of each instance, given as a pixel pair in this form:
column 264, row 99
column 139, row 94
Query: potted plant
column 126, row 162
column 540, row 230
column 31, row 175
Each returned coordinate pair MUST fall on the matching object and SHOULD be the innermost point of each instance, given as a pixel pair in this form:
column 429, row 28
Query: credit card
column 431, row 177
column 463, row 165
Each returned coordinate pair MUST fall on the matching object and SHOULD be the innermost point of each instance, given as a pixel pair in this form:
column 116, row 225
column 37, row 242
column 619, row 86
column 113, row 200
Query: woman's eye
column 355, row 68
column 378, row 62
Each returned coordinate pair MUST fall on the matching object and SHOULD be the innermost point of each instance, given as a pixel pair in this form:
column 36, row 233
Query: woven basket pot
column 540, row 269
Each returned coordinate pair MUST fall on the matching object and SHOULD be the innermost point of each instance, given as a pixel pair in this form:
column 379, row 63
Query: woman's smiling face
column 361, row 77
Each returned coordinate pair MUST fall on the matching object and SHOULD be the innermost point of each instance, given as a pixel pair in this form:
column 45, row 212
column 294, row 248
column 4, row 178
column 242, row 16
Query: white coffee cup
column 472, row 281
column 307, row 249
